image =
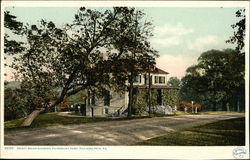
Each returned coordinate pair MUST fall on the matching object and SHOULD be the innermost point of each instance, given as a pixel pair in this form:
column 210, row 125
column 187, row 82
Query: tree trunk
column 27, row 122
column 238, row 104
column 224, row 105
column 214, row 101
column 130, row 98
column 36, row 112
column 228, row 107
column 88, row 98
column 149, row 93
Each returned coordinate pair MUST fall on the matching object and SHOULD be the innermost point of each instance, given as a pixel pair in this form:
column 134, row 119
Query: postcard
column 125, row 79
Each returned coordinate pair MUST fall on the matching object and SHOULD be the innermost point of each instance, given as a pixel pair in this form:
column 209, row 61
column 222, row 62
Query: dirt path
column 112, row 132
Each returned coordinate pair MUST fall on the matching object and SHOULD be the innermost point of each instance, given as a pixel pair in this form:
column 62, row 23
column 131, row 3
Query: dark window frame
column 93, row 98
column 156, row 79
column 106, row 98
column 138, row 77
column 160, row 79
column 146, row 79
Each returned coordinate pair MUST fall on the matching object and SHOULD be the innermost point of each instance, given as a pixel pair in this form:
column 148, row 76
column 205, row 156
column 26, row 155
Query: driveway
column 125, row 132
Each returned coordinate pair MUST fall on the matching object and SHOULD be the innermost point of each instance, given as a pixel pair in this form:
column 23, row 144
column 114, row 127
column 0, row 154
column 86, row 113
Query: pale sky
column 180, row 34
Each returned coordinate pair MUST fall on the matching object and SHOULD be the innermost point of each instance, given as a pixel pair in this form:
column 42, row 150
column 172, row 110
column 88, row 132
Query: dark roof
column 154, row 87
column 159, row 71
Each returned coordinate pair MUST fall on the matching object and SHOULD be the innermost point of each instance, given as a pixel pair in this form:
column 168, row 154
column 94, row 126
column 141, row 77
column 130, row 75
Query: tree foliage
column 22, row 100
column 11, row 23
column 239, row 35
column 170, row 97
column 11, row 46
column 217, row 80
column 62, row 61
column 14, row 104
column 133, row 50
column 174, row 82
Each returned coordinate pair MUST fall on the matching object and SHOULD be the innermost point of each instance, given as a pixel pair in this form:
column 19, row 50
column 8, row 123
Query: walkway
column 125, row 132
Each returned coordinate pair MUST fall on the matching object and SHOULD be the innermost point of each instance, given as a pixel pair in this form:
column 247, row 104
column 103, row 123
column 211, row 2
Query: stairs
column 121, row 112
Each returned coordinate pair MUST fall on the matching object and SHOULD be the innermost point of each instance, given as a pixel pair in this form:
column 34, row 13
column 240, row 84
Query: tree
column 67, row 60
column 192, row 85
column 19, row 100
column 239, row 35
column 174, row 82
column 215, row 81
column 63, row 58
column 12, row 46
column 11, row 23
column 135, row 55
column 14, row 104
column 219, row 77
column 239, row 38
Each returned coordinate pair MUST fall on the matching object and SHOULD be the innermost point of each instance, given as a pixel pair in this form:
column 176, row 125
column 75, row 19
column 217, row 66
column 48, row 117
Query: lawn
column 206, row 112
column 221, row 133
column 53, row 119
column 218, row 112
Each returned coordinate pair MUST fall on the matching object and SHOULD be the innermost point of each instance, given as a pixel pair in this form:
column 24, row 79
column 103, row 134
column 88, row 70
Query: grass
column 177, row 113
column 217, row 112
column 221, row 133
column 53, row 119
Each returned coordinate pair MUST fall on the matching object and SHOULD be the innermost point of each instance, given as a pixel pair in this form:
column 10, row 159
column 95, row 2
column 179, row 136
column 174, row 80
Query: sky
column 180, row 34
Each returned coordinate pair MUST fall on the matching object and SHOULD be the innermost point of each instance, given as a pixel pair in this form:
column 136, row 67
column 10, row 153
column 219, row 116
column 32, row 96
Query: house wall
column 140, row 104
column 117, row 100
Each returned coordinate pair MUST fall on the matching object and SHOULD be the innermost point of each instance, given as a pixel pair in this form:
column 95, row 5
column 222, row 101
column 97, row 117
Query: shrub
column 188, row 105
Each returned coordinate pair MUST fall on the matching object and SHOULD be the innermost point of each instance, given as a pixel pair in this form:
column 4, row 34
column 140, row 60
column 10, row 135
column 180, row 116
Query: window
column 106, row 98
column 156, row 79
column 147, row 79
column 160, row 79
column 106, row 111
column 137, row 79
column 93, row 98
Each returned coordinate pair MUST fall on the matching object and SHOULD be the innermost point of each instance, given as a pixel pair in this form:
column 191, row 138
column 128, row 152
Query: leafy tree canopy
column 239, row 35
column 216, row 79
column 174, row 82
column 62, row 61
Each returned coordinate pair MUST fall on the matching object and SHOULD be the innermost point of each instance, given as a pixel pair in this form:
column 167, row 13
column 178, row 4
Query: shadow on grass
column 53, row 119
column 222, row 133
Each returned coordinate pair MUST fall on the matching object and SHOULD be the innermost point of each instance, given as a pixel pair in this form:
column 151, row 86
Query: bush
column 188, row 105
